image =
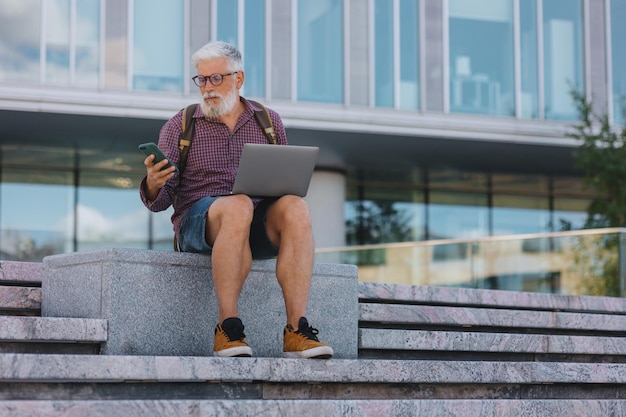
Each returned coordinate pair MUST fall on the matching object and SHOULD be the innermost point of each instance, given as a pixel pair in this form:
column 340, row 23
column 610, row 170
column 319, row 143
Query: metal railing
column 580, row 262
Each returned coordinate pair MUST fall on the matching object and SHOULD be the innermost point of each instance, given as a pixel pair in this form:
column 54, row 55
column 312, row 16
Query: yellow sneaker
column 303, row 343
column 229, row 339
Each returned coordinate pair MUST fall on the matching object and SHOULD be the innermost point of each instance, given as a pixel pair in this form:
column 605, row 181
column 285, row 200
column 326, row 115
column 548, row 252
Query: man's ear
column 240, row 77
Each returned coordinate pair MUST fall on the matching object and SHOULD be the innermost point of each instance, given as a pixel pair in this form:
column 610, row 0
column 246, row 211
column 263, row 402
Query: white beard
column 226, row 104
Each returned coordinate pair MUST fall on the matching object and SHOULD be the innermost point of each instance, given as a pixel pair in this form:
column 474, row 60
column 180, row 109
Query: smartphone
column 151, row 148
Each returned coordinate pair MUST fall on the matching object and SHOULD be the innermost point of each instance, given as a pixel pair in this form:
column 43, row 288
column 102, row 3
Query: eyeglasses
column 214, row 79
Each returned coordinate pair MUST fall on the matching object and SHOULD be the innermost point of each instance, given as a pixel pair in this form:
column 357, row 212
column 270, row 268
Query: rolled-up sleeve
column 168, row 143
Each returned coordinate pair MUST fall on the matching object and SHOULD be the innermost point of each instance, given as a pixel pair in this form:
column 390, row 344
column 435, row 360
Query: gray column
column 326, row 198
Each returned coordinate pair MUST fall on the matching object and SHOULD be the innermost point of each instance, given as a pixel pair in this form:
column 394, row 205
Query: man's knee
column 292, row 209
column 232, row 212
column 235, row 205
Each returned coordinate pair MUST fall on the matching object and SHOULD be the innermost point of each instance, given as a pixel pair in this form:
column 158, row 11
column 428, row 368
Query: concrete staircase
column 414, row 322
column 23, row 330
column 422, row 351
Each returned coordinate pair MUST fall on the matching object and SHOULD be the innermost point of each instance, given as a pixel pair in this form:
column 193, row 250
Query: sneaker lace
column 234, row 333
column 308, row 332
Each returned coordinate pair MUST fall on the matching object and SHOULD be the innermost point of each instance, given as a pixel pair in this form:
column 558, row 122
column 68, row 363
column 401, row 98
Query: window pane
column 254, row 53
column 36, row 157
column 395, row 176
column 529, row 54
column 409, row 54
column 520, row 215
column 571, row 200
column 110, row 213
column 87, row 42
column 158, row 47
column 453, row 180
column 563, row 56
column 570, row 213
column 573, row 187
column 57, row 42
column 521, row 204
column 457, row 215
column 19, row 40
column 618, row 56
column 383, row 52
column 37, row 214
column 320, row 51
column 227, row 21
column 481, row 57
column 520, row 184
column 384, row 215
column 162, row 230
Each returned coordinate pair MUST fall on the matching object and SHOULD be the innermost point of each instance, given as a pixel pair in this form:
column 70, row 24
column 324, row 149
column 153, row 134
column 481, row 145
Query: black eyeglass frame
column 214, row 79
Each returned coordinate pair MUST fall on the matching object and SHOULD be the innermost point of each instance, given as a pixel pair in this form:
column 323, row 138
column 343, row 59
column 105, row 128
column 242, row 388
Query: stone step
column 339, row 408
column 52, row 329
column 21, row 272
column 450, row 341
column 20, row 288
column 430, row 295
column 16, row 300
column 430, row 315
column 39, row 335
column 415, row 322
column 19, row 368
column 60, row 385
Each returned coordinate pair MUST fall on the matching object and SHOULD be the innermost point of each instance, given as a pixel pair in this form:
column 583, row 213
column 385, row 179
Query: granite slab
column 23, row 272
column 118, row 368
column 163, row 303
column 52, row 329
column 20, row 298
column 418, row 294
column 327, row 408
column 425, row 340
column 470, row 316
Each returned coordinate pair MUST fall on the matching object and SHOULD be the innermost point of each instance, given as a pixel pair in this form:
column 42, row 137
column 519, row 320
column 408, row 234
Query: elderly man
column 234, row 228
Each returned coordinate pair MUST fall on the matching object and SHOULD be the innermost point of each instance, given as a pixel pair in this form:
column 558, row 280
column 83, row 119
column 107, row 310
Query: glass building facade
column 368, row 78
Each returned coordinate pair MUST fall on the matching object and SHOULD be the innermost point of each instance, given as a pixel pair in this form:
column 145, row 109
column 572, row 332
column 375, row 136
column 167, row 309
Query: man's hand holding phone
column 159, row 169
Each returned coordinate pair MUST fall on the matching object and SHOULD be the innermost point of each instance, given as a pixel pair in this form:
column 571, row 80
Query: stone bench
column 163, row 303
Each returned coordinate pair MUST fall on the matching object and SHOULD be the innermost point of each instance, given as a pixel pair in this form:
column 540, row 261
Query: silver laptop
column 275, row 170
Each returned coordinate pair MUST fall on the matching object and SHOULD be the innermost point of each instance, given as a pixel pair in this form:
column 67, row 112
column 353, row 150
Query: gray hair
column 219, row 49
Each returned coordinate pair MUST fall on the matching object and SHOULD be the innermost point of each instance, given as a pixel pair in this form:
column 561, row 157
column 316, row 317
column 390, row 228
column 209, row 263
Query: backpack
column 184, row 143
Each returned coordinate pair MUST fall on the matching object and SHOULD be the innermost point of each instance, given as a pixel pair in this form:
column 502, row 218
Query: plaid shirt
column 212, row 161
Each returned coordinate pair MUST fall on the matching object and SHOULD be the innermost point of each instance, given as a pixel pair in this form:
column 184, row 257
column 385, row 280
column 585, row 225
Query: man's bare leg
column 228, row 231
column 289, row 228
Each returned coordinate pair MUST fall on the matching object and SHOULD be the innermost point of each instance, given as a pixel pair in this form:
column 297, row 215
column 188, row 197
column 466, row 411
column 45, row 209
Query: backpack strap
column 265, row 121
column 184, row 143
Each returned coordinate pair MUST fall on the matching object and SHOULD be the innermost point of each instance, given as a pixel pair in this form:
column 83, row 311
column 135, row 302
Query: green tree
column 378, row 221
column 602, row 157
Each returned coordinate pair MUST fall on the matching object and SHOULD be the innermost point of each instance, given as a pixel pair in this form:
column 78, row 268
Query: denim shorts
column 192, row 238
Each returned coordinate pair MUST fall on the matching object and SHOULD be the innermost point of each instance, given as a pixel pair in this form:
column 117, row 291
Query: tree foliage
column 379, row 221
column 602, row 157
